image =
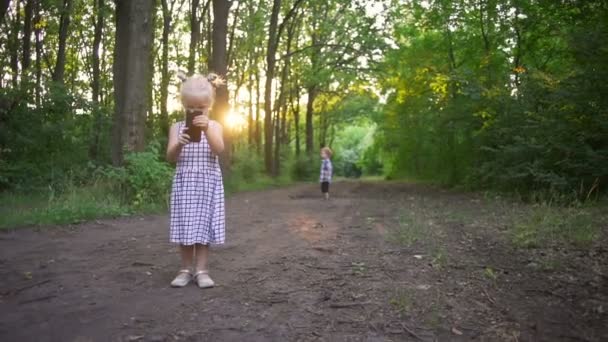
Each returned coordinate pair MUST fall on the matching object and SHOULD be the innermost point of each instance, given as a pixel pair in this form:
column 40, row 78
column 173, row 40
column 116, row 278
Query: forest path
column 379, row 262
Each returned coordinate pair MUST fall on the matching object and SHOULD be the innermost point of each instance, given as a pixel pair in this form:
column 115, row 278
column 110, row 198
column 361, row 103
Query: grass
column 409, row 231
column 260, row 183
column 80, row 204
column 402, row 301
column 439, row 259
column 73, row 206
column 546, row 225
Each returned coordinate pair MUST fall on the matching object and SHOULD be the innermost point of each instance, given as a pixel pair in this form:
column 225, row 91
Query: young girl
column 326, row 171
column 197, row 196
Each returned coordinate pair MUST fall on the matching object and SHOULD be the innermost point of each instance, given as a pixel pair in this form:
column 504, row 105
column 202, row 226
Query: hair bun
column 182, row 75
column 215, row 80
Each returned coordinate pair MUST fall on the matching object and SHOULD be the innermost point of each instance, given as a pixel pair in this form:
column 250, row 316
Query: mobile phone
column 193, row 131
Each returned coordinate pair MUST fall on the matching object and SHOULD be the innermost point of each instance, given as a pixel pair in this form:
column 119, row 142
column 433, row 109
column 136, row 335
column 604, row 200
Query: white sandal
column 182, row 279
column 203, row 280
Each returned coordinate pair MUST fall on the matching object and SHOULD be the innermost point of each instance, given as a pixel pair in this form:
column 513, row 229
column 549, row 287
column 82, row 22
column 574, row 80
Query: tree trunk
column 133, row 48
column 276, row 165
column 96, row 83
column 209, row 34
column 15, row 45
column 3, row 9
column 98, row 32
column 232, row 32
column 250, row 123
column 270, row 64
column 204, row 41
column 38, row 35
column 218, row 64
column 27, row 36
column 164, row 69
column 64, row 23
column 312, row 94
column 194, row 35
column 295, row 108
column 258, row 106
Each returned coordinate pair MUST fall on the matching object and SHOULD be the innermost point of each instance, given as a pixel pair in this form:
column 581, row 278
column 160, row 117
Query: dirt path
column 295, row 270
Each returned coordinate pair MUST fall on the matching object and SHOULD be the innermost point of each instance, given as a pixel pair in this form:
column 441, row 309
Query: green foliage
column 306, row 168
column 247, row 173
column 509, row 107
column 144, row 180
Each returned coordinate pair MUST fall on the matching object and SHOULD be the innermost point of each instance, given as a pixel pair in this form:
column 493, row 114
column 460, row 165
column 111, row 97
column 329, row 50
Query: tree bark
column 218, row 64
column 96, row 83
column 15, row 45
column 3, row 9
column 232, row 32
column 38, row 37
column 295, row 107
column 312, row 94
column 250, row 123
column 194, row 35
column 270, row 64
column 258, row 106
column 27, row 36
column 276, row 166
column 64, row 24
column 164, row 67
column 133, row 48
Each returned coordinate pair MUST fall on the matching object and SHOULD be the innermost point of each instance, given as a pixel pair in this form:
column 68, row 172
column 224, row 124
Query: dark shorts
column 324, row 187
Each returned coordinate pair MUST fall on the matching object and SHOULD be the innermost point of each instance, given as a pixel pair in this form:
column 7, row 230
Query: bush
column 305, row 168
column 144, row 180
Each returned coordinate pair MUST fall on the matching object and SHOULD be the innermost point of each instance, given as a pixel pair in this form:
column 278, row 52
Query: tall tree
column 168, row 9
column 133, row 48
column 3, row 9
column 27, row 35
column 38, row 39
column 98, row 9
column 270, row 64
column 64, row 25
column 194, row 35
column 219, row 64
column 274, row 36
column 14, row 43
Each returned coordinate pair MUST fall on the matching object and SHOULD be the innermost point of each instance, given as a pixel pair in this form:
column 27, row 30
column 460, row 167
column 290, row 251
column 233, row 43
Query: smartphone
column 193, row 131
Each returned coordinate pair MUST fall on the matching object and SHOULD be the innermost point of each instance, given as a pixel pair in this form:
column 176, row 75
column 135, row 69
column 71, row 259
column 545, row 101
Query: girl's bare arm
column 176, row 143
column 215, row 137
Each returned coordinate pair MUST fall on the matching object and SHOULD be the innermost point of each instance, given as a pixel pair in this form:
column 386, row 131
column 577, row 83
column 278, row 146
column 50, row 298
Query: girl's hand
column 201, row 121
column 183, row 139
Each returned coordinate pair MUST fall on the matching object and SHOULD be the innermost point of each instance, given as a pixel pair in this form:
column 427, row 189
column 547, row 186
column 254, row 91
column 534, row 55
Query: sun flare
column 235, row 121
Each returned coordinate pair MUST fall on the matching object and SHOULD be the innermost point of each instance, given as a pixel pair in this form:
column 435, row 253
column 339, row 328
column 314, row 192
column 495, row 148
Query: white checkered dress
column 197, row 196
column 326, row 171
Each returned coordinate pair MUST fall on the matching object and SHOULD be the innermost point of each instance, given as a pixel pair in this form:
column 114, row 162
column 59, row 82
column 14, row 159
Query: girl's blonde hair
column 198, row 88
column 327, row 151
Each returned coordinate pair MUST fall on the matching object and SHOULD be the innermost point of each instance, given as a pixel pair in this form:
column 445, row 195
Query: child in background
column 197, row 195
column 326, row 171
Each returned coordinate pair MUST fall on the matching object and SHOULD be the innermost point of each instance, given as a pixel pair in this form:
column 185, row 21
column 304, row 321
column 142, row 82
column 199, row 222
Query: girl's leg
column 185, row 274
column 202, row 256
column 187, row 254
column 202, row 266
